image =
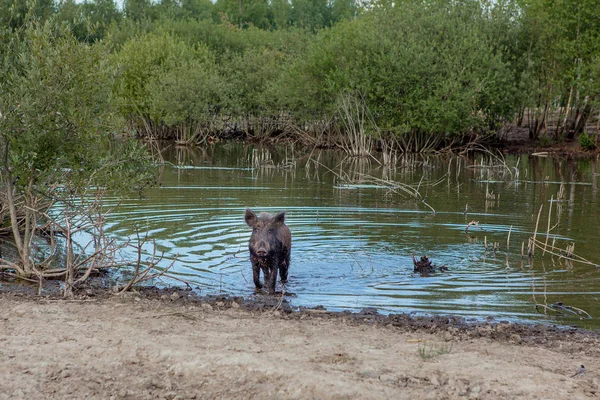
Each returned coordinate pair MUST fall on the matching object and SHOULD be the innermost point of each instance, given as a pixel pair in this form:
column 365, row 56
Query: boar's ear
column 250, row 217
column 279, row 219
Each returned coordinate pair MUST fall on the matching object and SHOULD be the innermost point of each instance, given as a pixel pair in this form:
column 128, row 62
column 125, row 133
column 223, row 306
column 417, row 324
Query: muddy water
column 354, row 229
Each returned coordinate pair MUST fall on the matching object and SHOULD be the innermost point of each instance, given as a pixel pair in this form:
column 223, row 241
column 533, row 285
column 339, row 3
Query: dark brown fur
column 270, row 247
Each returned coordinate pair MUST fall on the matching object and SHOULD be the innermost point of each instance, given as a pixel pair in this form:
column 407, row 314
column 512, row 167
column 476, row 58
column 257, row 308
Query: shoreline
column 146, row 347
column 492, row 328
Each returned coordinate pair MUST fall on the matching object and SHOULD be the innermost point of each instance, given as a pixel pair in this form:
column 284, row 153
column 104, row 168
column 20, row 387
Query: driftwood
column 425, row 267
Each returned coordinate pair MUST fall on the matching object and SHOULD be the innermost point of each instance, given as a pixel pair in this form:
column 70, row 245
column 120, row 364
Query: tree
column 197, row 9
column 14, row 13
column 341, row 10
column 56, row 129
column 246, row 13
column 564, row 42
column 282, row 13
column 90, row 20
column 431, row 72
column 310, row 14
column 139, row 10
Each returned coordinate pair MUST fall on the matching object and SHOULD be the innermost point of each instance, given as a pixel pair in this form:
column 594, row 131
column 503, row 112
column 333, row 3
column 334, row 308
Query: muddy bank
column 517, row 141
column 452, row 327
column 174, row 345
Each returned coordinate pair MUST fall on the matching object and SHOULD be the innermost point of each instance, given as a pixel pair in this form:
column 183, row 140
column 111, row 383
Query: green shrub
column 587, row 141
column 166, row 81
column 421, row 69
column 57, row 129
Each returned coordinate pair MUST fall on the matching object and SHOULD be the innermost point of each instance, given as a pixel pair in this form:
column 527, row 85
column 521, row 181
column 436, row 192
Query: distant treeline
column 419, row 74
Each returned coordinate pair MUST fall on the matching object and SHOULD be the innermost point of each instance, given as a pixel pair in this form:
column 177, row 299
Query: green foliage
column 90, row 20
column 15, row 13
column 186, row 69
column 249, row 75
column 225, row 39
column 186, row 90
column 434, row 68
column 563, row 45
column 587, row 141
column 420, row 70
column 282, row 13
column 193, row 9
column 166, row 81
column 139, row 10
column 310, row 14
column 57, row 112
column 57, row 129
column 246, row 13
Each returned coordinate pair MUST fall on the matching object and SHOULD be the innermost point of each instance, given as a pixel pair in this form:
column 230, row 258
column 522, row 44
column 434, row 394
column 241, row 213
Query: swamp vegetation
column 87, row 89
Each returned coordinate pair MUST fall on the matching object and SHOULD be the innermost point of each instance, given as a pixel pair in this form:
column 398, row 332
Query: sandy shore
column 137, row 347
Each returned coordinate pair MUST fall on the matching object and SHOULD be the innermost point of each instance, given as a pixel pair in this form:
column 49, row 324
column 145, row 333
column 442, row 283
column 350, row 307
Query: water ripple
column 353, row 248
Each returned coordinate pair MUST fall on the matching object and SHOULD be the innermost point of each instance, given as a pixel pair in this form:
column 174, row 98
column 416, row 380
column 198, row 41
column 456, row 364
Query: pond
column 355, row 227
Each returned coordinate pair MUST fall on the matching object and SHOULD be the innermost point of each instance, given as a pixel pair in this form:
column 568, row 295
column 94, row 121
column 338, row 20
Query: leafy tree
column 14, row 13
column 56, row 128
column 90, row 20
column 198, row 10
column 248, row 76
column 564, row 42
column 310, row 14
column 341, row 10
column 164, row 81
column 246, row 13
column 282, row 13
column 420, row 70
column 139, row 10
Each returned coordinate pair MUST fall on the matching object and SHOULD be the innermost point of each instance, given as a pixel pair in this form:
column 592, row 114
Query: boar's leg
column 271, row 278
column 256, row 275
column 283, row 271
column 283, row 268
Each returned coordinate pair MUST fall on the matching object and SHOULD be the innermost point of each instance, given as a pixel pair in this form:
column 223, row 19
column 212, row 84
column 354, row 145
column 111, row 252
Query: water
column 353, row 238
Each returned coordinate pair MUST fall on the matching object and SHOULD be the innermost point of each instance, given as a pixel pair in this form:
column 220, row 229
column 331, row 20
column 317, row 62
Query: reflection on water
column 353, row 236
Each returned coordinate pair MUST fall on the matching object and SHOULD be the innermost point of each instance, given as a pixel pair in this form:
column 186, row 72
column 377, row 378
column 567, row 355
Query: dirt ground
column 175, row 347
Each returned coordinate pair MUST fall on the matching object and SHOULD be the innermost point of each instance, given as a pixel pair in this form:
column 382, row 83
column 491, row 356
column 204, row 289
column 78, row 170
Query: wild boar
column 270, row 247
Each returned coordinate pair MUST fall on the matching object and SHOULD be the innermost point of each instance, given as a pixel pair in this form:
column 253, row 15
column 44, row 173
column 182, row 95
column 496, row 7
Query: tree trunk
column 561, row 127
column 22, row 242
column 70, row 271
column 577, row 125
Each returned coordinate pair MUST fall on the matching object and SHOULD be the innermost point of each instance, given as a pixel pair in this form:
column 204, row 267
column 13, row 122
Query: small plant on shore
column 430, row 350
column 587, row 141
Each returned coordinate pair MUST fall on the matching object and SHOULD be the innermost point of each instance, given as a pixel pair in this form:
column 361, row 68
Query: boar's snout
column 262, row 248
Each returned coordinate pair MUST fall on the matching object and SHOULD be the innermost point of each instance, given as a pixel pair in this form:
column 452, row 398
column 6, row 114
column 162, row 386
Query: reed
column 548, row 229
column 354, row 121
column 470, row 224
column 532, row 248
column 568, row 253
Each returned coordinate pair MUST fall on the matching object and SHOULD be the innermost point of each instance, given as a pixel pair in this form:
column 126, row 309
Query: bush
column 57, row 105
column 166, row 81
column 421, row 69
column 57, row 129
column 587, row 141
column 186, row 69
